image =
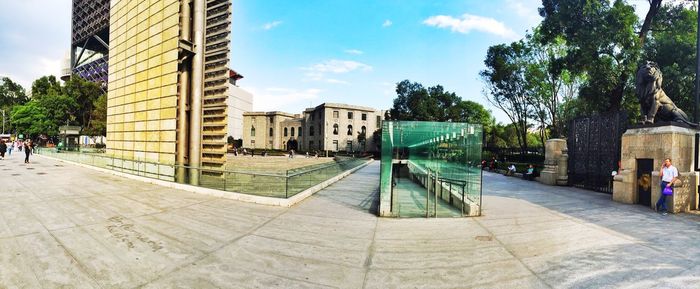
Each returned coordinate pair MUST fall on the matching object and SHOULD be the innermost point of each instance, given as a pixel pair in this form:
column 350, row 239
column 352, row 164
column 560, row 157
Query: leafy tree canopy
column 418, row 103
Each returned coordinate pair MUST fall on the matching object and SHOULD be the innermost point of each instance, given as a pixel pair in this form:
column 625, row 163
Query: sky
column 301, row 53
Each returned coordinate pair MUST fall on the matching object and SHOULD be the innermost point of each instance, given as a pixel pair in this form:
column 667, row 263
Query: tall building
column 168, row 75
column 329, row 126
column 90, row 40
column 239, row 101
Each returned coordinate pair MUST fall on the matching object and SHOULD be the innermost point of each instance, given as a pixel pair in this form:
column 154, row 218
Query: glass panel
column 430, row 169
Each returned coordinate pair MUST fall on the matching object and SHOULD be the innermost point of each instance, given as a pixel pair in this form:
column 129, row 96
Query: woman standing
column 27, row 150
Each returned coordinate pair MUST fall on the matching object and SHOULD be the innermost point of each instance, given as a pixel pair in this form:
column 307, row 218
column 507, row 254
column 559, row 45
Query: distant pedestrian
column 669, row 174
column 3, row 148
column 9, row 149
column 27, row 150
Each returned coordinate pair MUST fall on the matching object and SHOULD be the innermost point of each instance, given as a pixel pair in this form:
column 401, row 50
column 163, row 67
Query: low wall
column 282, row 202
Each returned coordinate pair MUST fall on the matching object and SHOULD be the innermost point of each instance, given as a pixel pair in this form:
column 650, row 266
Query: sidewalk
column 67, row 225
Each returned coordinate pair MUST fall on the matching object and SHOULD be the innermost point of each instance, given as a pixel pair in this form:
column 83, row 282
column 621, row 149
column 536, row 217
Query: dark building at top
column 90, row 40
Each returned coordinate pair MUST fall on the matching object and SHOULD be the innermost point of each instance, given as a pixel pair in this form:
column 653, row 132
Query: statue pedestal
column 656, row 144
column 555, row 162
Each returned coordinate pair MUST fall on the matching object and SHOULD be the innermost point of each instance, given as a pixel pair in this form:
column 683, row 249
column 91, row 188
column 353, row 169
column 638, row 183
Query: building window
column 285, row 131
column 272, row 119
column 363, row 130
column 252, row 131
column 336, row 114
column 335, row 145
column 292, row 132
column 379, row 121
column 349, row 114
column 299, row 131
column 364, row 116
column 252, row 141
column 311, row 130
column 349, row 129
column 335, row 129
column 271, row 131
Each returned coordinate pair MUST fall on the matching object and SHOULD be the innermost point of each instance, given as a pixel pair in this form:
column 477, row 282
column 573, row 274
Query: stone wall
column 555, row 163
column 658, row 143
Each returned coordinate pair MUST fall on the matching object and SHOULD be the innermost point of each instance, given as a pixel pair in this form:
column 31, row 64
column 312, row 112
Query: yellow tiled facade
column 143, row 80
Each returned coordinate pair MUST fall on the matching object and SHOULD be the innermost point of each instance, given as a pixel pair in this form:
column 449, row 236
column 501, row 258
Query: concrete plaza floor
column 71, row 227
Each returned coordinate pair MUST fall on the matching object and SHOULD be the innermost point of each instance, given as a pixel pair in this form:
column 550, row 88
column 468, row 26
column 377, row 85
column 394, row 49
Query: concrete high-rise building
column 168, row 81
column 239, row 101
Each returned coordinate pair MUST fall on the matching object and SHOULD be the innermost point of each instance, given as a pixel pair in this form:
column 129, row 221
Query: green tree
column 11, row 95
column 417, row 103
column 506, row 87
column 98, row 118
column 32, row 119
column 45, row 85
column 601, row 43
column 85, row 93
column 671, row 44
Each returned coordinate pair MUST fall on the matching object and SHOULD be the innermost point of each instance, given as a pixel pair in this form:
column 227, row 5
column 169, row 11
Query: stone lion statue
column 656, row 105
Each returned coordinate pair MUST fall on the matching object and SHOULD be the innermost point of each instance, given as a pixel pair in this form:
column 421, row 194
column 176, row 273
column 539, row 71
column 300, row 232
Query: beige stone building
column 261, row 130
column 327, row 127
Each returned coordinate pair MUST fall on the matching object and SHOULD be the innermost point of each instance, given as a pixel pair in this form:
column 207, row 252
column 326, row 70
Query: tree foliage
column 601, row 43
column 506, row 88
column 76, row 102
column 415, row 102
column 11, row 95
column 671, row 44
column 45, row 85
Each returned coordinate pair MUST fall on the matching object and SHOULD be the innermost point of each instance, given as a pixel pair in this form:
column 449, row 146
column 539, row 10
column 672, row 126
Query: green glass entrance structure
column 430, row 169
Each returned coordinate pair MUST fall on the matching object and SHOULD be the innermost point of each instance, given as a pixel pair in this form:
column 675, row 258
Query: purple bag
column 667, row 191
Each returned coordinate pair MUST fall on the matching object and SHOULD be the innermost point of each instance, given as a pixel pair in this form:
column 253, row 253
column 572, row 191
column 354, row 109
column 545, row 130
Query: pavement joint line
column 370, row 254
column 80, row 265
column 512, row 253
column 224, row 244
column 29, row 266
column 302, row 243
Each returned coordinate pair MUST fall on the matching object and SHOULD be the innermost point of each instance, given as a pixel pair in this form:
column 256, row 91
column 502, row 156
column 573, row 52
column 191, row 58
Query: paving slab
column 79, row 228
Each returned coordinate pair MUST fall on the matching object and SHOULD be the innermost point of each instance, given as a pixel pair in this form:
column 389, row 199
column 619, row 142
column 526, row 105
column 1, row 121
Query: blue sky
column 294, row 54
column 301, row 53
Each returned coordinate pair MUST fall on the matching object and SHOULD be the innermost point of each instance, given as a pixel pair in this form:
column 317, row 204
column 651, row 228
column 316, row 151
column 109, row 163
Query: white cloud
column 31, row 47
column 270, row 25
column 318, row 71
column 354, row 51
column 338, row 66
column 336, row 81
column 469, row 22
column 278, row 98
column 387, row 23
column 526, row 9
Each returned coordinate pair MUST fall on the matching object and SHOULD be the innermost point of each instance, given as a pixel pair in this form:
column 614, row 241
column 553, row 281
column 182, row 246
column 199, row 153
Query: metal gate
column 594, row 150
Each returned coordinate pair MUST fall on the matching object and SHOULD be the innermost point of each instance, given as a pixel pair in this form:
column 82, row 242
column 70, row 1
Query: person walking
column 27, row 150
column 3, row 148
column 669, row 174
column 9, row 148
